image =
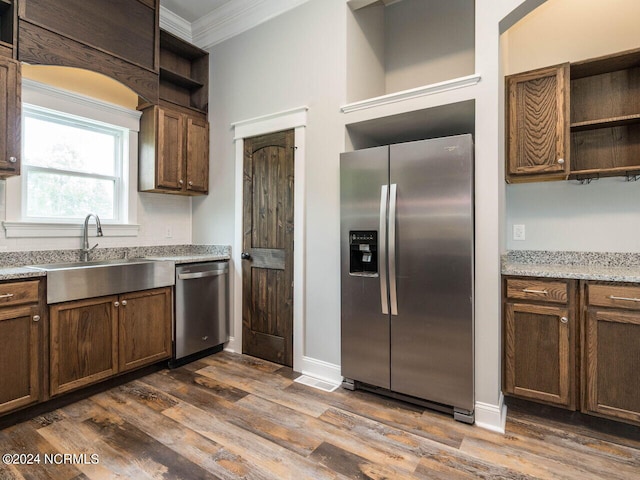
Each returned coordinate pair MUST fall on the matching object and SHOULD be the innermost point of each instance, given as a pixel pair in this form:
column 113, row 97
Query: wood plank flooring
column 231, row 416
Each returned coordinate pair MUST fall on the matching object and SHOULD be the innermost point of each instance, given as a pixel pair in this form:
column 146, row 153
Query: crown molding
column 236, row 17
column 175, row 24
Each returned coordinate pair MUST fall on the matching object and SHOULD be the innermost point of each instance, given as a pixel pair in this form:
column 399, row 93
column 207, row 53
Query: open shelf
column 395, row 46
column 180, row 47
column 180, row 80
column 605, row 122
column 184, row 73
column 6, row 27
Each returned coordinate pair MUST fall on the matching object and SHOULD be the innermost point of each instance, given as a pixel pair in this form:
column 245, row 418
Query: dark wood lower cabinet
column 538, row 353
column 95, row 339
column 576, row 351
column 22, row 339
column 145, row 328
column 83, row 342
column 19, row 358
column 612, row 363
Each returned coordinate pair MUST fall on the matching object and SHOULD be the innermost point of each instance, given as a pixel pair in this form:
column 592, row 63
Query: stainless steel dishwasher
column 202, row 311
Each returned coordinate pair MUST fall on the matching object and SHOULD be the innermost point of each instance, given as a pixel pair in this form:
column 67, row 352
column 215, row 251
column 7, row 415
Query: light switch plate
column 518, row 232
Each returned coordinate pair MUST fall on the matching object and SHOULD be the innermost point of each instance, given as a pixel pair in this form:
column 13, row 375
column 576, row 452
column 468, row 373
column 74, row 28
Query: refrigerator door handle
column 384, row 302
column 392, row 249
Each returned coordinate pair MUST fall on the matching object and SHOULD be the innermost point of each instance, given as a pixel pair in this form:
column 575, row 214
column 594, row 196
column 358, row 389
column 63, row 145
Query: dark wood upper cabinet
column 10, row 126
column 118, row 38
column 537, row 119
column 587, row 111
column 174, row 151
column 174, row 135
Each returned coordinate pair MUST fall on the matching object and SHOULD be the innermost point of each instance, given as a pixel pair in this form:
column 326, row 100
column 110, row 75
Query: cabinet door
column 197, row 155
column 19, row 357
column 612, row 363
column 170, row 156
column 145, row 328
column 538, row 124
column 538, row 360
column 9, row 117
column 83, row 342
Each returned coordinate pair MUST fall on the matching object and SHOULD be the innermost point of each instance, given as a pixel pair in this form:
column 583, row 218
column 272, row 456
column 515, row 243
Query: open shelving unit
column 184, row 73
column 7, row 27
column 605, row 116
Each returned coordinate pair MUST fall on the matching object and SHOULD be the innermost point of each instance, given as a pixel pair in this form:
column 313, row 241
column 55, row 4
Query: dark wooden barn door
column 267, row 266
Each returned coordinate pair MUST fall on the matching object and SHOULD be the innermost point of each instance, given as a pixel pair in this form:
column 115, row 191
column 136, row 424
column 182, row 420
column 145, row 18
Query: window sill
column 51, row 230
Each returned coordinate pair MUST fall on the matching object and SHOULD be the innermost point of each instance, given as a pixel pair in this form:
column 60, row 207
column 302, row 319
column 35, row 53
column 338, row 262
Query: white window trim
column 46, row 96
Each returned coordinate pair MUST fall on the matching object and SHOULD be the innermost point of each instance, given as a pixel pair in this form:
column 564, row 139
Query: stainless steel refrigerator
column 407, row 272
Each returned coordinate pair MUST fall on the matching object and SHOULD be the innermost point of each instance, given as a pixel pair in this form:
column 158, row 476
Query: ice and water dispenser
column 363, row 253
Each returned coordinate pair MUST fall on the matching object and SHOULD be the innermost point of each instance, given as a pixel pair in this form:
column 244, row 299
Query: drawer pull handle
column 628, row 299
column 6, row 295
column 528, row 290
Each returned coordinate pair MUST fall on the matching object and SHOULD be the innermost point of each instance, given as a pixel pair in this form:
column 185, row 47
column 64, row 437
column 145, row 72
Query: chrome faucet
column 84, row 256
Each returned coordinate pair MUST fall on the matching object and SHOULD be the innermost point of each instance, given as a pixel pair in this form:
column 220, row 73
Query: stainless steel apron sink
column 78, row 280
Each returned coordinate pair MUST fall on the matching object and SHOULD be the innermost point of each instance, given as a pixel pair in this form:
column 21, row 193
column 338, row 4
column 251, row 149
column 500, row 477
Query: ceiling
column 191, row 10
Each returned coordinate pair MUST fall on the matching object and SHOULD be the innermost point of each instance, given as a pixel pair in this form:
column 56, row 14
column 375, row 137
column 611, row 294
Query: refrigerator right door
column 431, row 263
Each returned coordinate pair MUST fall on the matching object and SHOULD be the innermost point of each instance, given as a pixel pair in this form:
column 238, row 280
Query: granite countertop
column 13, row 264
column 604, row 266
column 11, row 273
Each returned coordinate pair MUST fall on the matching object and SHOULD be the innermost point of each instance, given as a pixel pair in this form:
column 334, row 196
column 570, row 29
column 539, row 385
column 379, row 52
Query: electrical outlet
column 518, row 232
column 168, row 233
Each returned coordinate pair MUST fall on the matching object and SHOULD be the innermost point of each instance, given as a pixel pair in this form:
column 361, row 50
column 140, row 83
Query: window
column 79, row 155
column 71, row 166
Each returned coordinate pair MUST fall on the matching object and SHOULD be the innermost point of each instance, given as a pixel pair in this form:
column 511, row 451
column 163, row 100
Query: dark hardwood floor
column 230, row 416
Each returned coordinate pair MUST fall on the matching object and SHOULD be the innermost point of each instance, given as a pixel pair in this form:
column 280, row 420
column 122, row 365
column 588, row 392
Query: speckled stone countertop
column 605, row 266
column 12, row 264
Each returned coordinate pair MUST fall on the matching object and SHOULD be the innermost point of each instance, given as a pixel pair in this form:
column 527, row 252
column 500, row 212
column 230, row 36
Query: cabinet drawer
column 17, row 293
column 554, row 291
column 627, row 297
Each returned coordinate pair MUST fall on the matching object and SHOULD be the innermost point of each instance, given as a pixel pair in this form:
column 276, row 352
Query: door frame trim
column 294, row 119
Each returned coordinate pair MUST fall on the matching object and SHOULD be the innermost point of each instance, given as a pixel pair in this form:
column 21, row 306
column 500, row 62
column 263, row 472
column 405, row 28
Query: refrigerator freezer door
column 364, row 326
column 432, row 334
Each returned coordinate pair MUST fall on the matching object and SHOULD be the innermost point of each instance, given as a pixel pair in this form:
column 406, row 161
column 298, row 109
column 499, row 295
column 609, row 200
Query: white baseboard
column 492, row 417
column 321, row 370
column 233, row 346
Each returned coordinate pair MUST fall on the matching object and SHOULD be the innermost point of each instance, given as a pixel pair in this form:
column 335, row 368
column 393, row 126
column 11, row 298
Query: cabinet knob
column 13, row 159
column 561, row 161
column 190, row 183
column 180, row 181
column 564, row 319
column 116, row 304
column 124, row 303
column 36, row 318
column 245, row 256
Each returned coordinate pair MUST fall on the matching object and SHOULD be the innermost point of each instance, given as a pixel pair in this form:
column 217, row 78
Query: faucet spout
column 84, row 256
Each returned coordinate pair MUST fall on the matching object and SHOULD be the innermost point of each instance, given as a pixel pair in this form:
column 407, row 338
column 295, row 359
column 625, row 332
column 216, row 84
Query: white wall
column 155, row 213
column 428, row 41
column 602, row 216
column 296, row 59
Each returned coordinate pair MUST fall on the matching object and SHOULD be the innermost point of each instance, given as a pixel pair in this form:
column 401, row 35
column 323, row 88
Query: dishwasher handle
column 209, row 273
